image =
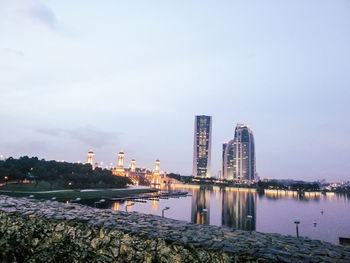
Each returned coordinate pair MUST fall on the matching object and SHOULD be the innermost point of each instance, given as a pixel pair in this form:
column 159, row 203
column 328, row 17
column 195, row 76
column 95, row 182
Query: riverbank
column 44, row 191
column 36, row 231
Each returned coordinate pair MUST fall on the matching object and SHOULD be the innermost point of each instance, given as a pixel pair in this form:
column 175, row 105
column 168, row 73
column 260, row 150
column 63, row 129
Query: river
column 321, row 216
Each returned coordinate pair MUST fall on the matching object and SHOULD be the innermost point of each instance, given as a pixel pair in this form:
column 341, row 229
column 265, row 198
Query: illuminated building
column 133, row 164
column 120, row 167
column 156, row 176
column 239, row 156
column 202, row 146
column 90, row 157
column 156, row 171
column 141, row 176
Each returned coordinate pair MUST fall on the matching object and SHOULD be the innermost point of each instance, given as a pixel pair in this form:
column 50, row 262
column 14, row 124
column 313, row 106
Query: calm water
column 272, row 212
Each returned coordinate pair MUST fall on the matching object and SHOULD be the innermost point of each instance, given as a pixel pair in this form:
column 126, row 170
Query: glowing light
column 154, row 205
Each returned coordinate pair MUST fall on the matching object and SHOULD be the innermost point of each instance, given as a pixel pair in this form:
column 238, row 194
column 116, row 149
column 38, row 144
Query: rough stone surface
column 49, row 231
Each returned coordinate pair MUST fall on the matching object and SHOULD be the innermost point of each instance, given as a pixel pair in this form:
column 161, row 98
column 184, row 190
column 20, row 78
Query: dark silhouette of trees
column 74, row 175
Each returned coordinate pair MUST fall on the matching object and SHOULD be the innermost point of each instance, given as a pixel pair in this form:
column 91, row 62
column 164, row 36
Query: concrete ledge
column 46, row 231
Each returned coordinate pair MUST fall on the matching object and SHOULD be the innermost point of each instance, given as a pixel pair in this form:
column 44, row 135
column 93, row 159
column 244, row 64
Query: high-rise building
column 239, row 155
column 202, row 146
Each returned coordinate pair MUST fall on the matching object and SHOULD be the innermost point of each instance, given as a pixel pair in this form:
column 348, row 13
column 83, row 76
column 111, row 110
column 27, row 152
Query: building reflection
column 200, row 213
column 116, row 206
column 237, row 207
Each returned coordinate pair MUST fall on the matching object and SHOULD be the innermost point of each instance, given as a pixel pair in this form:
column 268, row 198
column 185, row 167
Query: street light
column 6, row 178
column 126, row 207
column 166, row 208
column 296, row 224
column 249, row 219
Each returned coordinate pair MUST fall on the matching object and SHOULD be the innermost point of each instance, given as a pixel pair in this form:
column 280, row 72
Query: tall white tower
column 120, row 160
column 156, row 171
column 133, row 165
column 90, row 157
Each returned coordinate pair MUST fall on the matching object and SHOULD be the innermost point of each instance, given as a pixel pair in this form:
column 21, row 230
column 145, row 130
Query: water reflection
column 200, row 213
column 238, row 209
column 271, row 211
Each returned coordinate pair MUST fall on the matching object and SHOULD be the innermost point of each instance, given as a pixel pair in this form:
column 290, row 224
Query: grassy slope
column 24, row 190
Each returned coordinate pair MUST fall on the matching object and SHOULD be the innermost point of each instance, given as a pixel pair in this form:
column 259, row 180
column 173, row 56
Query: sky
column 131, row 75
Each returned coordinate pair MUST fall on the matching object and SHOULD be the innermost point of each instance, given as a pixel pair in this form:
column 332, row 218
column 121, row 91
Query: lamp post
column 166, row 208
column 6, row 178
column 296, row 224
column 126, row 206
column 249, row 219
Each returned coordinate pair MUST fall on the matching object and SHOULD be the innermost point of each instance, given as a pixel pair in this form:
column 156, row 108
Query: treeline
column 74, row 175
column 181, row 178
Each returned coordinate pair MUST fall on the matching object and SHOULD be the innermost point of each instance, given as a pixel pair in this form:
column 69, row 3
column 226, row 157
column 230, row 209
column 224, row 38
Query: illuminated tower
column 90, row 157
column 120, row 160
column 202, row 146
column 133, row 163
column 239, row 155
column 156, row 171
column 120, row 167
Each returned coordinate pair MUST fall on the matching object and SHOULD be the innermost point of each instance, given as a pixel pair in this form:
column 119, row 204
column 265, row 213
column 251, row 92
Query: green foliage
column 74, row 175
column 305, row 187
column 181, row 178
column 271, row 185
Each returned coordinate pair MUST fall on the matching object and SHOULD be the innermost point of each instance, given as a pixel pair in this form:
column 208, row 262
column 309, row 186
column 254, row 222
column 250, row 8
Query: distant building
column 90, row 159
column 120, row 167
column 238, row 157
column 202, row 146
column 133, row 165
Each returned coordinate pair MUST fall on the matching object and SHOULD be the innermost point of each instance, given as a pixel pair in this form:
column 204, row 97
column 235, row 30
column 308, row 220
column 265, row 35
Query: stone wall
column 46, row 231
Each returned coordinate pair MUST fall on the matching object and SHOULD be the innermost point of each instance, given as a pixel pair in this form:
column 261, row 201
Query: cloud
column 89, row 135
column 50, row 132
column 42, row 14
column 26, row 147
column 14, row 51
column 23, row 13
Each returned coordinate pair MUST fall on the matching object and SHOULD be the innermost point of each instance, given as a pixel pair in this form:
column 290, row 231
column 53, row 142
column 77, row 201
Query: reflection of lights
column 128, row 204
column 116, row 206
column 330, row 194
column 154, row 205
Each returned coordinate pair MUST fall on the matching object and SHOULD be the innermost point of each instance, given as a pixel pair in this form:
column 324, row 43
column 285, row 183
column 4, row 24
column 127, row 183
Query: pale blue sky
column 131, row 75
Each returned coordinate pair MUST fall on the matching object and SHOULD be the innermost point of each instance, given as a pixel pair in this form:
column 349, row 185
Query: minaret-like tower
column 156, row 171
column 120, row 160
column 133, row 163
column 90, row 157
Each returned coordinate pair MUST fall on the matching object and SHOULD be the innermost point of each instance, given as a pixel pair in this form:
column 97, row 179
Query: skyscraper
column 202, row 146
column 239, row 155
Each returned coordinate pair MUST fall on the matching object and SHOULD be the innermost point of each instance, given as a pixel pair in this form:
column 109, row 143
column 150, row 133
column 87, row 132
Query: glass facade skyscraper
column 202, row 146
column 239, row 155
